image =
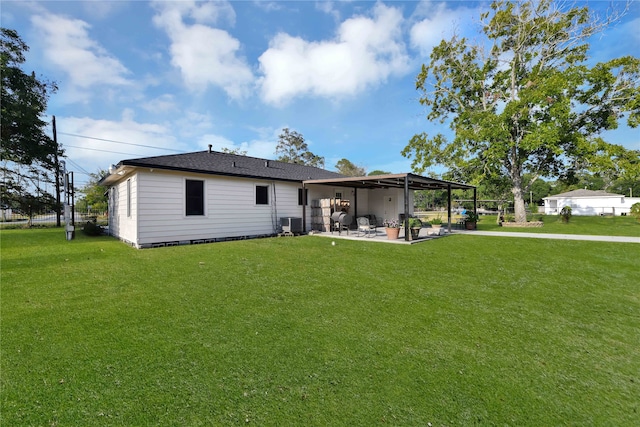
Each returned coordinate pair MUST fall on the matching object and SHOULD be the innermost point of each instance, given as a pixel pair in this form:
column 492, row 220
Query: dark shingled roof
column 217, row 163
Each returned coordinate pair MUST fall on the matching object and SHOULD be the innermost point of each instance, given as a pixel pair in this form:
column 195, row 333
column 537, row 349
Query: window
column 338, row 195
column 128, row 198
column 195, row 197
column 262, row 194
column 301, row 200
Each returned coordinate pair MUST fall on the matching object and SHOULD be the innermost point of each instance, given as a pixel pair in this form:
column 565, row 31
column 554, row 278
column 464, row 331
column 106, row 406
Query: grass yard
column 464, row 330
column 593, row 225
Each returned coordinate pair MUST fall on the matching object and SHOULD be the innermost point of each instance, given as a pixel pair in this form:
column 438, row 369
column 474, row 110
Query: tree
column 24, row 101
column 378, row 172
column 236, row 151
column 291, row 148
column 345, row 167
column 530, row 104
column 95, row 198
column 29, row 156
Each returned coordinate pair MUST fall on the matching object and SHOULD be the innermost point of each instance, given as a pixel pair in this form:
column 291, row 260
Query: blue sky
column 179, row 75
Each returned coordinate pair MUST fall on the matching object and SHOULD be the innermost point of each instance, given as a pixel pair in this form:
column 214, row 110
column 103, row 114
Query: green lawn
column 463, row 330
column 593, row 225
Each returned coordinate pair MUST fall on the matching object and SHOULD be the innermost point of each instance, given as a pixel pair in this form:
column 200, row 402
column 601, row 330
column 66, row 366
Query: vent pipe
column 210, row 147
column 266, row 164
column 233, row 164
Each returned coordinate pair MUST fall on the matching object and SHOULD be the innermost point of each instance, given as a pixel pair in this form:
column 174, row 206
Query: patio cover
column 408, row 181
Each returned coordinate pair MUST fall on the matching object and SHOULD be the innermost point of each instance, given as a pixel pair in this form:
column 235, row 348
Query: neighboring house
column 211, row 196
column 589, row 202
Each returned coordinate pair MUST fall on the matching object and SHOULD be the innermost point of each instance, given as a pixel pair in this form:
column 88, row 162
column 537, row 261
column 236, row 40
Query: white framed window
column 303, row 196
column 262, row 194
column 194, row 197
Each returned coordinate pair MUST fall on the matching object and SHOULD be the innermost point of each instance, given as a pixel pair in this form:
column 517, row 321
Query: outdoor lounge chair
column 366, row 227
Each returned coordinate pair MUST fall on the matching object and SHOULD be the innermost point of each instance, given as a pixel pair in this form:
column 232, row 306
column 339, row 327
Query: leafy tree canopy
column 529, row 103
column 28, row 154
column 345, row 167
column 292, row 148
column 24, row 101
column 237, row 151
column 378, row 172
column 95, row 198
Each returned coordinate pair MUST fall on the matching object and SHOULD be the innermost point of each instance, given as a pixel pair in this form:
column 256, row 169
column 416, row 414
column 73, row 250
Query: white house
column 589, row 202
column 211, row 196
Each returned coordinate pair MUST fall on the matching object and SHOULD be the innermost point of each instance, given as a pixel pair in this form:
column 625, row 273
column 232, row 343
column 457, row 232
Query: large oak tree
column 528, row 105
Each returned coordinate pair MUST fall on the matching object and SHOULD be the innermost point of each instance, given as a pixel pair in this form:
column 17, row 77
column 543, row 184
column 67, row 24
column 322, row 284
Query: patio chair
column 366, row 227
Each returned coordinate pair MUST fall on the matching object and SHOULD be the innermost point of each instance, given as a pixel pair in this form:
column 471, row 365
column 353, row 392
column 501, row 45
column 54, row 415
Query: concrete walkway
column 620, row 239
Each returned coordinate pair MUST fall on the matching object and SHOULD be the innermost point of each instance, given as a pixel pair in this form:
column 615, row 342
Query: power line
column 82, row 170
column 104, row 151
column 119, row 142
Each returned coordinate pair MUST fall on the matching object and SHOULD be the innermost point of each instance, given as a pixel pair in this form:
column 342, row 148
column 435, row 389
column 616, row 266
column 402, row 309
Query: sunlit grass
column 591, row 225
column 293, row 331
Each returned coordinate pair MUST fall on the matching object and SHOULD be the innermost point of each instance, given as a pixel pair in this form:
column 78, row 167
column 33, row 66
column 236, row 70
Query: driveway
column 620, row 239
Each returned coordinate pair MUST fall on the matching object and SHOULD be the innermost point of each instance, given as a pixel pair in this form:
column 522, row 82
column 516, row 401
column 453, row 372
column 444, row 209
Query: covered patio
column 406, row 181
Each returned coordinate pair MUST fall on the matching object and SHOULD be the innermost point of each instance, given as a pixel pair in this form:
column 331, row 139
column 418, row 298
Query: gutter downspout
column 304, row 209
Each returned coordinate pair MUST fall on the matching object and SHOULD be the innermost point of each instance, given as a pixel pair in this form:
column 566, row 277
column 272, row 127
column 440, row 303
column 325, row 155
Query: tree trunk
column 518, row 205
column 518, row 200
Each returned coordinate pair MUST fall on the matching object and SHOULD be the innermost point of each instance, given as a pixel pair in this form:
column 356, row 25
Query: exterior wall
column 370, row 202
column 123, row 222
column 590, row 205
column 229, row 208
column 388, row 203
column 148, row 207
column 157, row 208
column 346, row 193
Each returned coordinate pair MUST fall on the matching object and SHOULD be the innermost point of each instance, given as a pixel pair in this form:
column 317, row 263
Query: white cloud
column 328, row 7
column 101, row 150
column 254, row 148
column 204, row 55
column 193, row 124
column 162, row 104
column 365, row 52
column 437, row 22
column 68, row 46
column 101, row 9
column 268, row 6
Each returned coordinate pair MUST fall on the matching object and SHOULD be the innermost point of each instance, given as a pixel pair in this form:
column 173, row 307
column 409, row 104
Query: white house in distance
column 210, row 196
column 590, row 202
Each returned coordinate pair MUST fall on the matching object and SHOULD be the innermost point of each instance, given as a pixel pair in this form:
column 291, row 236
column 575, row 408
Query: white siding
column 121, row 225
column 230, row 208
column 590, row 205
column 158, row 207
column 380, row 206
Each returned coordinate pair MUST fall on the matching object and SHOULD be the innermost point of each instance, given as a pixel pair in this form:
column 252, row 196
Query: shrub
column 565, row 213
column 91, row 228
column 415, row 223
column 436, row 221
column 635, row 210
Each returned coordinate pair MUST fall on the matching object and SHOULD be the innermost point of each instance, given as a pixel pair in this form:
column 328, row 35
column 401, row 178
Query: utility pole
column 57, row 165
column 68, row 226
